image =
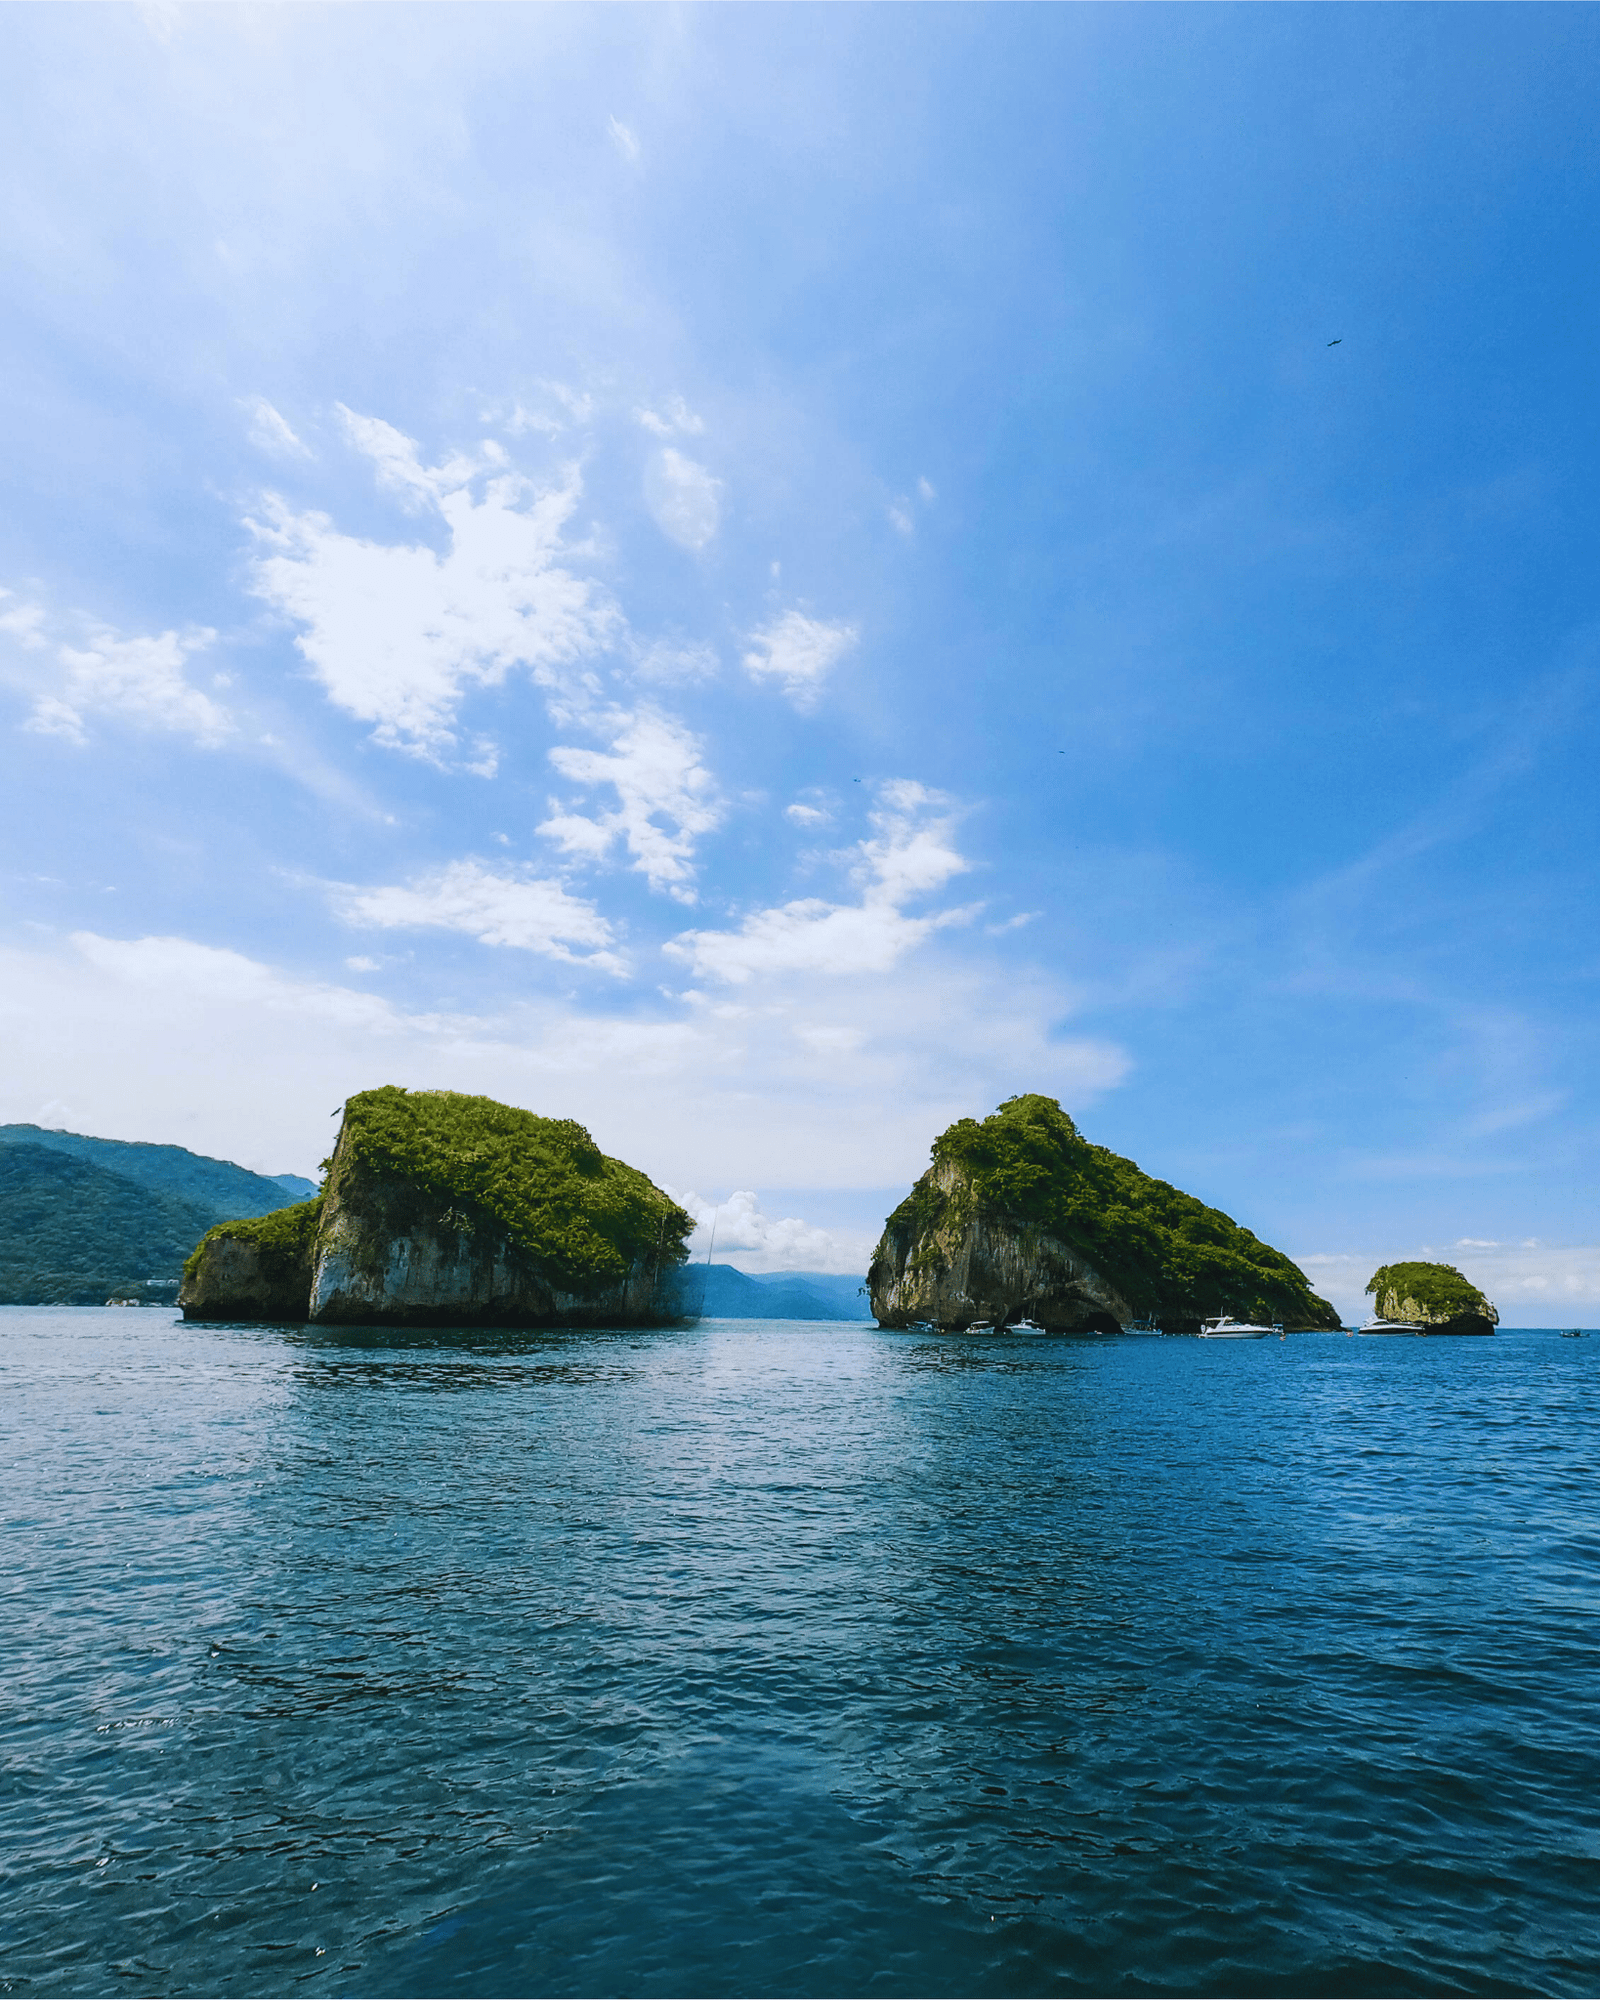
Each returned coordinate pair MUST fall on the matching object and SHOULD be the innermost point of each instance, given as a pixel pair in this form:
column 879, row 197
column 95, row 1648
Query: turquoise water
column 795, row 1659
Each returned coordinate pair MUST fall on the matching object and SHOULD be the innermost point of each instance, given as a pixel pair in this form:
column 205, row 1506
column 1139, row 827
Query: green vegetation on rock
column 283, row 1240
column 1437, row 1288
column 1165, row 1252
column 585, row 1217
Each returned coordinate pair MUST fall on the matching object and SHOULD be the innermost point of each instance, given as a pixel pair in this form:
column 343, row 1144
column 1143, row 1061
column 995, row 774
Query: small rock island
column 1433, row 1296
column 441, row 1209
column 1020, row 1214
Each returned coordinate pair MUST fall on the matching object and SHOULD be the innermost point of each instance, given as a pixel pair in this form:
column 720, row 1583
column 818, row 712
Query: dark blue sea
column 782, row 1658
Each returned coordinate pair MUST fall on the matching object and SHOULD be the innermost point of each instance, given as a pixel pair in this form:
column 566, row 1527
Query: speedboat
column 1223, row 1327
column 1146, row 1326
column 1574, row 1333
column 1025, row 1325
column 1389, row 1326
column 981, row 1326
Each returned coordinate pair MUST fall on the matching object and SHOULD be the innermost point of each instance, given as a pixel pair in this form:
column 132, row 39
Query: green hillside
column 218, row 1186
column 71, row 1232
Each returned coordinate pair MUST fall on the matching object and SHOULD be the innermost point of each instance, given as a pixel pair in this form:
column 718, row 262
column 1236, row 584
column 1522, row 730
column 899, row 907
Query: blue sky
column 765, row 578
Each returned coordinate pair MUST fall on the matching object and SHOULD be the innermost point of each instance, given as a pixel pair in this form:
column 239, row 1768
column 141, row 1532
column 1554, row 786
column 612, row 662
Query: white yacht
column 980, row 1326
column 1025, row 1325
column 1226, row 1328
column 1389, row 1326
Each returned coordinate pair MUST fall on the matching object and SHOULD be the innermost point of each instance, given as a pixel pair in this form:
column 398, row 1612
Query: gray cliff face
column 970, row 1267
column 233, row 1280
column 1392, row 1304
column 389, row 1255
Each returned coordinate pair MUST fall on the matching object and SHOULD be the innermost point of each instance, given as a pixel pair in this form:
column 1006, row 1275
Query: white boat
column 1146, row 1326
column 980, row 1326
column 1025, row 1325
column 1389, row 1326
column 1226, row 1328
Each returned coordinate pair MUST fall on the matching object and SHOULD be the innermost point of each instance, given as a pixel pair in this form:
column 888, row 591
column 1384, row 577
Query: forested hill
column 228, row 1190
column 81, row 1218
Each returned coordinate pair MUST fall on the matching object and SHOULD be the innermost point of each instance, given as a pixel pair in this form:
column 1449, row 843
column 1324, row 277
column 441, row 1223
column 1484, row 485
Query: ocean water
column 795, row 1659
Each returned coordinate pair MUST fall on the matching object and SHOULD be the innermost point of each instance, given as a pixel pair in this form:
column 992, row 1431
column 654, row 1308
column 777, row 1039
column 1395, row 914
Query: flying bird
column 1337, row 343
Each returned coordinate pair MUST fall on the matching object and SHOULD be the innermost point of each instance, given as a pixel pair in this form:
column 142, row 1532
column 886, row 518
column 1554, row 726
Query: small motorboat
column 1025, row 1325
column 1389, row 1326
column 1574, row 1333
column 1225, row 1327
column 980, row 1326
column 1145, row 1327
column 922, row 1326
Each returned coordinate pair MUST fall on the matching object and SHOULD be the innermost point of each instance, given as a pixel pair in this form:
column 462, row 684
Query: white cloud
column 828, row 1084
column 666, row 798
column 678, row 420
column 799, row 653
column 575, row 406
column 624, row 141
column 677, row 663
column 683, row 498
column 911, row 855
column 270, row 432
column 24, row 623
column 755, row 1241
column 139, row 680
column 397, row 634
column 528, row 912
column 804, row 812
column 900, row 517
column 805, row 936
column 926, row 488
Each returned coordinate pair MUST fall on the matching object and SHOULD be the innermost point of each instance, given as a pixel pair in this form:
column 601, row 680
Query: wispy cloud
column 666, row 799
column 397, row 633
column 676, row 662
column 524, row 911
column 140, row 681
column 562, row 408
column 270, row 432
column 799, row 653
column 683, row 498
column 910, row 855
column 622, row 138
column 677, row 420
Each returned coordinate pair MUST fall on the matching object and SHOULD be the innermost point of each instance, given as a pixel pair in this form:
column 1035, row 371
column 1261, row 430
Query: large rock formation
column 256, row 1268
column 1434, row 1296
column 441, row 1209
column 1022, row 1215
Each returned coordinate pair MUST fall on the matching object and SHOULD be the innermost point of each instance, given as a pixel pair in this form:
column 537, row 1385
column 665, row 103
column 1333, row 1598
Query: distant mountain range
column 82, row 1218
column 730, row 1294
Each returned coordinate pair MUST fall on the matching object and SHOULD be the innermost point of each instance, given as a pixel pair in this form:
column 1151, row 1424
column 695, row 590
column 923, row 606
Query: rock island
column 1435, row 1297
column 441, row 1209
column 1020, row 1214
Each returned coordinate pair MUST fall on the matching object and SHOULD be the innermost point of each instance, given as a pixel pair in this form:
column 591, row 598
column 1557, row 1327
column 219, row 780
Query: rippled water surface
column 795, row 1659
